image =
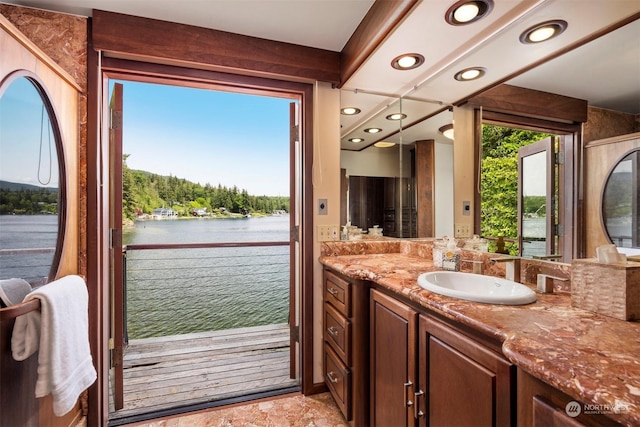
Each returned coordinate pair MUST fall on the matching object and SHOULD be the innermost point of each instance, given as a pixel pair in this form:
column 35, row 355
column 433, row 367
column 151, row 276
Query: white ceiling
column 605, row 72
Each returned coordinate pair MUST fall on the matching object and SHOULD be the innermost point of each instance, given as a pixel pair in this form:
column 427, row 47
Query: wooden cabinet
column 541, row 405
column 466, row 383
column 427, row 372
column 346, row 345
column 393, row 360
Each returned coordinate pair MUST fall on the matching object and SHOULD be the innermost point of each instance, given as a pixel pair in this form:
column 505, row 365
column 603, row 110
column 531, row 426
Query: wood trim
column 97, row 265
column 425, row 186
column 150, row 40
column 380, row 20
column 613, row 140
column 7, row 26
column 532, row 103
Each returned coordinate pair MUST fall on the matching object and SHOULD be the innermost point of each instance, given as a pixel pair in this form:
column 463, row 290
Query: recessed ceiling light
column 349, row 111
column 408, row 61
column 465, row 11
column 447, row 130
column 543, row 32
column 470, row 74
column 396, row 116
column 373, row 130
column 384, row 144
column 356, row 140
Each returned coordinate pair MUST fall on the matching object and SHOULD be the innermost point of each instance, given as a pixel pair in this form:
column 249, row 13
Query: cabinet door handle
column 332, row 377
column 333, row 331
column 417, row 413
column 407, row 402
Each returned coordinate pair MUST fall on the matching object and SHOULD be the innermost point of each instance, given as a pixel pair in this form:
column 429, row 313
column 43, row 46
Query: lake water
column 27, row 232
column 177, row 291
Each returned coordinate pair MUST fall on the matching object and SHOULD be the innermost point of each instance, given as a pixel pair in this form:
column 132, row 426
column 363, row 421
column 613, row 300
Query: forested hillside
column 145, row 191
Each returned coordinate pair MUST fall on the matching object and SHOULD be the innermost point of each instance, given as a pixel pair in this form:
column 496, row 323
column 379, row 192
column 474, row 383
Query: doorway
column 199, row 263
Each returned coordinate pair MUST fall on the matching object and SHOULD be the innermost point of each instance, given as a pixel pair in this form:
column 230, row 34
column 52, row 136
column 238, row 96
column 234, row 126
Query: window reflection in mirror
column 620, row 203
column 30, row 195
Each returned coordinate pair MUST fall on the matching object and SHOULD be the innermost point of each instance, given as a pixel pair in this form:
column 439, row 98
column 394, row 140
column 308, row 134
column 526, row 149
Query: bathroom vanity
column 436, row 360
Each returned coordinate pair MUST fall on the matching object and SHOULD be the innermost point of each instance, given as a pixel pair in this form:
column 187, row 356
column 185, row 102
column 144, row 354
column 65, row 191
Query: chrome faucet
column 477, row 265
column 545, row 283
column 512, row 269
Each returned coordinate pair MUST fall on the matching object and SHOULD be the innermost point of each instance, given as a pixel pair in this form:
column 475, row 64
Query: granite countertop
column 591, row 357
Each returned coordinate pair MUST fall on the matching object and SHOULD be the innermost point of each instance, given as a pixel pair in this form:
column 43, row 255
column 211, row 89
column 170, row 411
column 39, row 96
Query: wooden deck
column 165, row 372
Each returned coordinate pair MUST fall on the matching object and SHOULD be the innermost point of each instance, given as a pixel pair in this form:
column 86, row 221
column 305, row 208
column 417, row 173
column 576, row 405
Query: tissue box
column 609, row 289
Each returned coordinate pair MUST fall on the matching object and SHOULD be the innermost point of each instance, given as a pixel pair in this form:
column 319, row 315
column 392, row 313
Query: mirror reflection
column 29, row 184
column 382, row 170
column 620, row 203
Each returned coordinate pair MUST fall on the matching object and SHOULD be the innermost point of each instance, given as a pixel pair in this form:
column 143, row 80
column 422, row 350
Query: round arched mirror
column 31, row 182
column 620, row 200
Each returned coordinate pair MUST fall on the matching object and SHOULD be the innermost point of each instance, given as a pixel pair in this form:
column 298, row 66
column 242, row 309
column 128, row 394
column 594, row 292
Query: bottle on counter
column 451, row 256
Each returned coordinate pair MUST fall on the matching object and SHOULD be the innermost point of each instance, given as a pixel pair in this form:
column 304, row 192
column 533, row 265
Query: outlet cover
column 322, row 207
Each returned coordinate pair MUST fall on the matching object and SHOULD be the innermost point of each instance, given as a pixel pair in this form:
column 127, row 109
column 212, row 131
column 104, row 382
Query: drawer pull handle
column 332, row 377
column 333, row 291
column 407, row 402
column 333, row 331
column 417, row 413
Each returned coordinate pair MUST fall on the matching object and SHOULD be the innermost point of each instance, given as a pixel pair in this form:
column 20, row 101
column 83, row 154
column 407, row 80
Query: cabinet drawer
column 338, row 379
column 337, row 332
column 337, row 291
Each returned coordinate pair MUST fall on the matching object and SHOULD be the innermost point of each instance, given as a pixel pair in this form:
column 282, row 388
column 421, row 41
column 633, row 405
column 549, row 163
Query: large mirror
column 379, row 160
column 620, row 198
column 31, row 184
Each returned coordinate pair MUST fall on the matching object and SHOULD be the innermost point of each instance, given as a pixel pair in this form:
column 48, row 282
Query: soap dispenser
column 451, row 256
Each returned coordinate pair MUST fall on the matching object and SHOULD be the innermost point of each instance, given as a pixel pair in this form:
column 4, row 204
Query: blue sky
column 208, row 136
column 26, row 141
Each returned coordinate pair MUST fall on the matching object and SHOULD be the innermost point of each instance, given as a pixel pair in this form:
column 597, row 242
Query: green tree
column 499, row 180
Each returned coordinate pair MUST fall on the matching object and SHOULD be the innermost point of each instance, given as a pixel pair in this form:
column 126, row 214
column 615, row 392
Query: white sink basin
column 475, row 287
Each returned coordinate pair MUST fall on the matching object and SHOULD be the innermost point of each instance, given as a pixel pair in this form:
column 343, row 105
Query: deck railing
column 173, row 289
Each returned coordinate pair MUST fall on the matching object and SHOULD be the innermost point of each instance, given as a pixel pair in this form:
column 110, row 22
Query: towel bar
column 19, row 309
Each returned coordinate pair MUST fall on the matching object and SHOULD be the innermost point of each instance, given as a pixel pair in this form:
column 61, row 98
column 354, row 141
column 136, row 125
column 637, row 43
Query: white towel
column 61, row 332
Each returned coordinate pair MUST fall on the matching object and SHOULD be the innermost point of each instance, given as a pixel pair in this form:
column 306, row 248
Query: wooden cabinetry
column 427, row 372
column 346, row 345
column 393, row 360
column 467, row 383
column 541, row 405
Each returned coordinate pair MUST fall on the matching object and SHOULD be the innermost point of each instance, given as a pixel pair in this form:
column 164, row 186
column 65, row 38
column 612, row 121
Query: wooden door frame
column 97, row 173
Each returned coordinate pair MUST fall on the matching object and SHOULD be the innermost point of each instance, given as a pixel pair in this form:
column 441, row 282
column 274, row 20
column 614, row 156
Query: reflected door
column 536, row 199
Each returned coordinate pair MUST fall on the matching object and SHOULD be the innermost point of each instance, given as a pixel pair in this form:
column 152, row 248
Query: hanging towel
column 60, row 331
column 13, row 291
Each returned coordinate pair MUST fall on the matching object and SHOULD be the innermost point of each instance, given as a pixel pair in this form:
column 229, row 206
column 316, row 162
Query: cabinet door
column 393, row 356
column 466, row 383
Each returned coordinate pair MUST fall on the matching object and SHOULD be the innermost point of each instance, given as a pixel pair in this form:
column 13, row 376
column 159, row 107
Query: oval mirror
column 31, row 182
column 620, row 205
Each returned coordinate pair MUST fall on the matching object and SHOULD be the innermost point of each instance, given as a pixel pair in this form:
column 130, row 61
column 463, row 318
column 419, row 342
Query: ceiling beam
column 380, row 20
column 150, row 40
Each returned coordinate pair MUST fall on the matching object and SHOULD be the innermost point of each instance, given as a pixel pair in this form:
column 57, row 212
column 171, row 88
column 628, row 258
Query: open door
column 537, row 211
column 116, row 340
column 294, row 239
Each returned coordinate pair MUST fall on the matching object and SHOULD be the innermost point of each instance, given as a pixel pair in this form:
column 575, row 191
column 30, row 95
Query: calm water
column 27, row 232
column 181, row 291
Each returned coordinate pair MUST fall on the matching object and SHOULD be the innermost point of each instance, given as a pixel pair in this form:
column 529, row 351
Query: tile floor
column 292, row 410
